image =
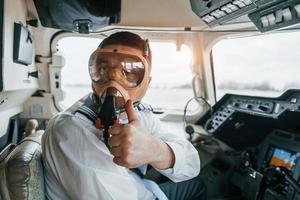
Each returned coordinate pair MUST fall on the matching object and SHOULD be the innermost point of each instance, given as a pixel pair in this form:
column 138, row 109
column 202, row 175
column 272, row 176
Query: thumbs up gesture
column 132, row 146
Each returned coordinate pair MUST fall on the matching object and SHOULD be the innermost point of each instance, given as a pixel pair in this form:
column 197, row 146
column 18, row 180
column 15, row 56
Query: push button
column 264, row 21
column 297, row 8
column 271, row 19
column 278, row 16
column 287, row 15
column 239, row 3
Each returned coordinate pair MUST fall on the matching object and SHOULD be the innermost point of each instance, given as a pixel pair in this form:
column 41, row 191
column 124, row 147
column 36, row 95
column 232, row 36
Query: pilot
column 81, row 164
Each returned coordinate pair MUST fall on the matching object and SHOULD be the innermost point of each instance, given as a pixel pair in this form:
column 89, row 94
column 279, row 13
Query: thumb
column 131, row 115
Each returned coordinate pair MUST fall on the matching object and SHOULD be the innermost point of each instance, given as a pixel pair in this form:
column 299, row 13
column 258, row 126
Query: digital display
column 284, row 158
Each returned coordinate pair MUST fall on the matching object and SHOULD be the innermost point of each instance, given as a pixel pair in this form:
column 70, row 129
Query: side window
column 171, row 85
column 169, row 89
column 261, row 65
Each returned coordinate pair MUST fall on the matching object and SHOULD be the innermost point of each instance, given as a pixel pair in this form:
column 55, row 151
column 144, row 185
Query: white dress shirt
column 78, row 165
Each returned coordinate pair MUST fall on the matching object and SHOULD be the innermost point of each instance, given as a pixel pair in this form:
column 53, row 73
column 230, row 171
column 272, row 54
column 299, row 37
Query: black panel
column 244, row 121
column 281, row 15
column 215, row 12
column 288, row 148
column 218, row 12
column 82, row 16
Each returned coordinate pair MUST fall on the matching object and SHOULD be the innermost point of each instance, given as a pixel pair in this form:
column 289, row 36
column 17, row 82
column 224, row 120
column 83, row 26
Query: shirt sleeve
column 71, row 150
column 187, row 161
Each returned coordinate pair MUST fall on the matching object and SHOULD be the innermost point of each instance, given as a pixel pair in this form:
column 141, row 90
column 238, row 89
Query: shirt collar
column 90, row 108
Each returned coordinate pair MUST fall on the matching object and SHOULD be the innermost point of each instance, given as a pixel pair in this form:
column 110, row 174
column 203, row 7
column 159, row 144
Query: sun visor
column 83, row 16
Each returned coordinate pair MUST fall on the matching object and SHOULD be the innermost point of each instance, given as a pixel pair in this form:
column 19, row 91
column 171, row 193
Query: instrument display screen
column 284, row 158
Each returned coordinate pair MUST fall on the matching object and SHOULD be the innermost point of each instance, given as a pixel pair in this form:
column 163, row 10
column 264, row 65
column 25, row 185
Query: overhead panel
column 265, row 14
column 280, row 15
column 216, row 12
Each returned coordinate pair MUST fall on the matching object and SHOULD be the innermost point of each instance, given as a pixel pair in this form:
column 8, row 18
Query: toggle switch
column 216, row 14
column 271, row 19
column 287, row 15
column 227, row 10
column 264, row 21
column 232, row 7
column 297, row 8
column 246, row 2
column 239, row 3
column 278, row 16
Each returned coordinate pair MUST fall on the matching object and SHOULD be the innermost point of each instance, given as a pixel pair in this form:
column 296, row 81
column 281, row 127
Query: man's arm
column 133, row 146
column 165, row 157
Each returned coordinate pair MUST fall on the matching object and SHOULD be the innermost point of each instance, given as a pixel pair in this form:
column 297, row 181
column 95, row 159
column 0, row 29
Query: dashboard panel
column 242, row 121
column 264, row 135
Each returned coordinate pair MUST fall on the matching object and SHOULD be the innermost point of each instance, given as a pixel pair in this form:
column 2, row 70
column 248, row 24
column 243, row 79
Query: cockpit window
column 264, row 65
column 170, row 87
column 76, row 82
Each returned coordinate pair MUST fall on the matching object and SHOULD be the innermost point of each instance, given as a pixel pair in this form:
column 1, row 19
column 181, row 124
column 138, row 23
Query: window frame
column 57, row 101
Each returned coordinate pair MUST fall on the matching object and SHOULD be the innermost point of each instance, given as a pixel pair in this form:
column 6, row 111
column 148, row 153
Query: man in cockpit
column 81, row 162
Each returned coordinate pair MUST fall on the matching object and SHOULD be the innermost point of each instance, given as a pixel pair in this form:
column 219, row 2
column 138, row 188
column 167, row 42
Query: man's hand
column 132, row 146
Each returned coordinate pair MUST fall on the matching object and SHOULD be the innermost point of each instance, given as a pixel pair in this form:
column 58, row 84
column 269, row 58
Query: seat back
column 21, row 171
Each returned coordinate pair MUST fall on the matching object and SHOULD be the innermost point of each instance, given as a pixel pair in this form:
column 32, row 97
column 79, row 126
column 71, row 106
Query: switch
column 263, row 108
column 278, row 16
column 239, row 3
column 297, row 8
column 265, row 22
column 249, row 106
column 208, row 18
column 211, row 18
column 227, row 10
column 216, row 14
column 277, row 108
column 57, row 84
column 232, row 7
column 56, row 75
column 222, row 13
column 271, row 19
column 287, row 15
column 293, row 100
column 246, row 2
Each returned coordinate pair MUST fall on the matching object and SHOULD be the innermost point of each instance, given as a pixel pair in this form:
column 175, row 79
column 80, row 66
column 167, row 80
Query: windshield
column 170, row 87
column 264, row 65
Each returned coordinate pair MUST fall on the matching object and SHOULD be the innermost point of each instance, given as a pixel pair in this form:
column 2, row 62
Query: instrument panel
column 243, row 121
column 267, row 15
column 280, row 151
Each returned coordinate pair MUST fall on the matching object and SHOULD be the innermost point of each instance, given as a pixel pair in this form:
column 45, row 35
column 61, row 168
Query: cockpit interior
column 248, row 142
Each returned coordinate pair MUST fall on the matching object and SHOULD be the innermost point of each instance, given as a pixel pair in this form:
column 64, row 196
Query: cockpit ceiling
column 157, row 13
column 166, row 15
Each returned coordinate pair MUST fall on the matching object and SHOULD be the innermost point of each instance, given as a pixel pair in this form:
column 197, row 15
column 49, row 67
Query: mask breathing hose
column 108, row 116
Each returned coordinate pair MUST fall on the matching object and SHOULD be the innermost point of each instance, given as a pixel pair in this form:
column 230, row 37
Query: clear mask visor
column 127, row 70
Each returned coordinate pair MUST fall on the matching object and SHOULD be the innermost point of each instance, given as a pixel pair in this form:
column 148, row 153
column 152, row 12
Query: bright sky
column 170, row 68
column 265, row 61
column 273, row 59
